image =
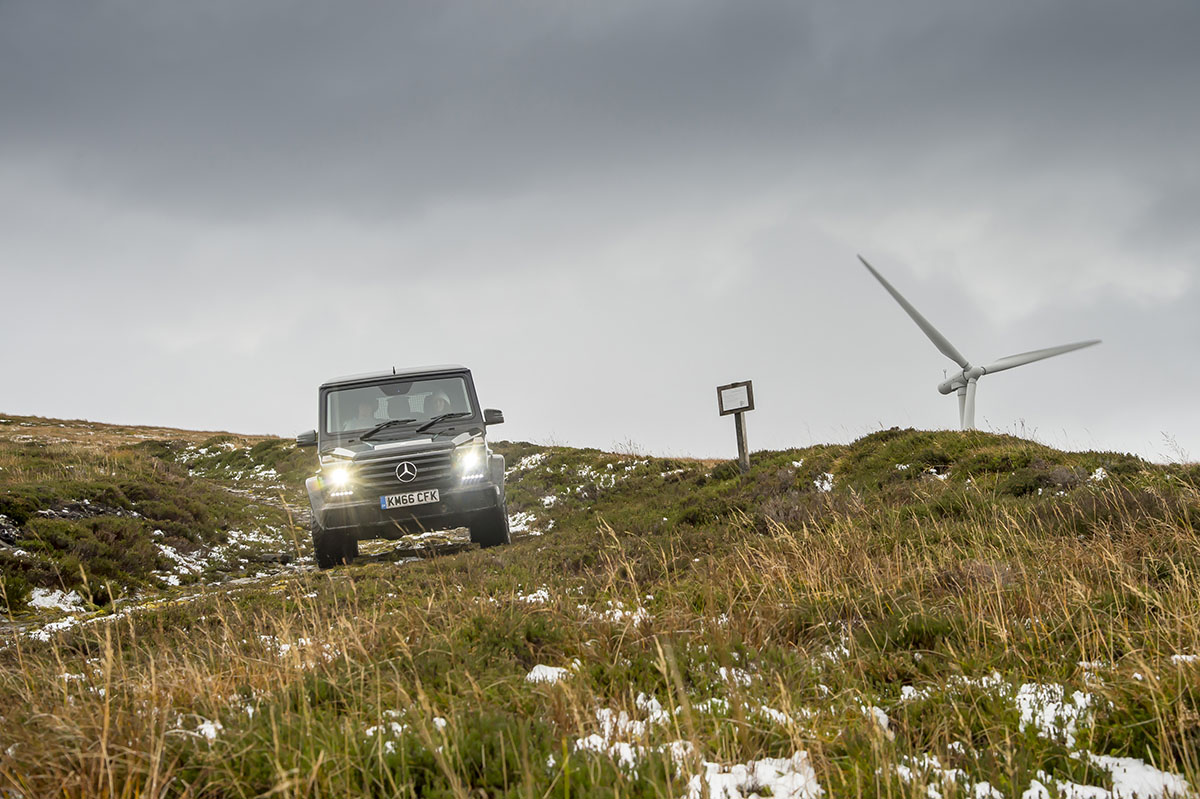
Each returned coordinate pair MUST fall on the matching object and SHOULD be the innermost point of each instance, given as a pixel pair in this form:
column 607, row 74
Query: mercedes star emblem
column 406, row 472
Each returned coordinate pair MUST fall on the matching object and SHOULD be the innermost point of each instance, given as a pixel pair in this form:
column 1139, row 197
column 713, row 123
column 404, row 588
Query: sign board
column 735, row 398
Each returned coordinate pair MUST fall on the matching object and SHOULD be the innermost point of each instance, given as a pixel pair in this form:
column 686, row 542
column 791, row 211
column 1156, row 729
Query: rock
column 9, row 532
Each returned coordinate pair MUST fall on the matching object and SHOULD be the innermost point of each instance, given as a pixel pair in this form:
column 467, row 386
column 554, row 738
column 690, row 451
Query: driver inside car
column 438, row 403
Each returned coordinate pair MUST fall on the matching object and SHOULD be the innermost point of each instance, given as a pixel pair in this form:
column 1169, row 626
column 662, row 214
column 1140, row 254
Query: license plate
column 409, row 499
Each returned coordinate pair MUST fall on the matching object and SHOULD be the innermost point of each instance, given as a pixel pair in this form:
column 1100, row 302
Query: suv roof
column 411, row 371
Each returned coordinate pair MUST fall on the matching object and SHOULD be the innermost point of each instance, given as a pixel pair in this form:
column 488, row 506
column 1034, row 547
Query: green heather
column 874, row 606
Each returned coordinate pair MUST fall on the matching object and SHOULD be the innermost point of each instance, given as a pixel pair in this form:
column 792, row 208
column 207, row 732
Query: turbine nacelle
column 960, row 380
column 966, row 382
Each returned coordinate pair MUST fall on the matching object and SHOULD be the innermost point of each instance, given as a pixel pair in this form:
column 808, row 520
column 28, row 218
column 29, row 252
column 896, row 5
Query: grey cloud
column 380, row 109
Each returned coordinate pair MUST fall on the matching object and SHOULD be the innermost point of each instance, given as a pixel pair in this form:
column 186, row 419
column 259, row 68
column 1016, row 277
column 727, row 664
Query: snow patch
column 520, row 522
column 783, row 778
column 1055, row 716
column 527, row 463
column 736, row 676
column 55, row 600
column 547, row 674
column 538, row 597
column 1133, row 778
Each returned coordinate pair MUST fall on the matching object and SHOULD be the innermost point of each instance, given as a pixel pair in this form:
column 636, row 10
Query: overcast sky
column 606, row 210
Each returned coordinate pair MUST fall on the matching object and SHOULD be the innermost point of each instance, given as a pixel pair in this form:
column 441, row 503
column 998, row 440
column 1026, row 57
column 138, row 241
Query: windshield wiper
column 440, row 417
column 383, row 426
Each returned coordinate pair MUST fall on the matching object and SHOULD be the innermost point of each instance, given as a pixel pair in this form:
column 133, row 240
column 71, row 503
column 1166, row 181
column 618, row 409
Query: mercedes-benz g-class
column 403, row 452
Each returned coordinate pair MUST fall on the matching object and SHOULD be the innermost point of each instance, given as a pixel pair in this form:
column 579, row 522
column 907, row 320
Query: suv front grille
column 379, row 474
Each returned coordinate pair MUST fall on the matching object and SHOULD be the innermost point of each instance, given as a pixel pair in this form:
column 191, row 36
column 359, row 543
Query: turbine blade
column 1023, row 358
column 939, row 341
column 969, row 416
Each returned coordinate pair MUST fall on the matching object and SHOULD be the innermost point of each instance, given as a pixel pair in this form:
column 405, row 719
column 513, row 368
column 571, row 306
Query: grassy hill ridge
column 961, row 612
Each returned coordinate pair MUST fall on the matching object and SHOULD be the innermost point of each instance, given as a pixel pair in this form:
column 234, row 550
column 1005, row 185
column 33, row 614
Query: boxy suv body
column 403, row 452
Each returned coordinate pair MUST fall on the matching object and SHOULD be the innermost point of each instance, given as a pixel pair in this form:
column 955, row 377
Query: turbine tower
column 965, row 382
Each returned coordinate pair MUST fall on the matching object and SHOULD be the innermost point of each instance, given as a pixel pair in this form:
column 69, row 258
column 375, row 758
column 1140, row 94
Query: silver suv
column 403, row 452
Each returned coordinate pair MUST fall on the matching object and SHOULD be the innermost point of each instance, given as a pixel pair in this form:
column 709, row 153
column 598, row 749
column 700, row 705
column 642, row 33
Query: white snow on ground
column 547, row 674
column 713, row 705
column 601, row 480
column 1098, row 475
column 388, row 731
column 1184, row 658
column 798, row 464
column 623, row 739
column 538, row 597
column 782, row 778
column 1054, row 715
column 880, row 717
column 47, row 631
column 1133, row 778
column 621, row 735
column 901, row 467
column 1046, row 707
column 616, row 612
column 737, row 676
column 928, row 766
column 209, row 729
column 824, row 483
column 549, row 500
column 55, row 600
column 520, row 523
column 304, row 652
column 839, row 650
column 527, row 463
column 239, row 546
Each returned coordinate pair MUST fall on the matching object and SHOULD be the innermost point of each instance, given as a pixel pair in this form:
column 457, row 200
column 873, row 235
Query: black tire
column 333, row 548
column 489, row 528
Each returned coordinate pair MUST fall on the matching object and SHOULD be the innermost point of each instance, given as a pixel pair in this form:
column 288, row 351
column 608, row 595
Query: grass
column 765, row 617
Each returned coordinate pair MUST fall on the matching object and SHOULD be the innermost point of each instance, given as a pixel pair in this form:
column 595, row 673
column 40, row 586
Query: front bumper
column 456, row 506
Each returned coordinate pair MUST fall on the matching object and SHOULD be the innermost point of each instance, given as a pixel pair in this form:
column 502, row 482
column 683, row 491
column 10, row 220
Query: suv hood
column 372, row 448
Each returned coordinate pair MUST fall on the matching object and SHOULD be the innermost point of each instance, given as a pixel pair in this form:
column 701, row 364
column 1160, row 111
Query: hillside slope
column 911, row 614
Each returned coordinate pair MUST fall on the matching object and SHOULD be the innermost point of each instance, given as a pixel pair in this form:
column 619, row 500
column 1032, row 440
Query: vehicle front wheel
column 489, row 528
column 332, row 548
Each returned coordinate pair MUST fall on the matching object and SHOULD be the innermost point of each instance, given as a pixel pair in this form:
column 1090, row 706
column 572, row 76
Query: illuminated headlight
column 471, row 462
column 338, row 480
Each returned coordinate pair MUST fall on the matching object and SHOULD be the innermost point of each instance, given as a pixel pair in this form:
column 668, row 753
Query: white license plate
column 409, row 499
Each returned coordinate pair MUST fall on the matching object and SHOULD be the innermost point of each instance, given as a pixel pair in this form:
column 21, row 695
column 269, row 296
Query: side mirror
column 307, row 439
column 493, row 416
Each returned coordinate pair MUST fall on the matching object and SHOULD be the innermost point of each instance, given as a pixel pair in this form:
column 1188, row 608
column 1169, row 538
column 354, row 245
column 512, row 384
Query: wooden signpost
column 736, row 399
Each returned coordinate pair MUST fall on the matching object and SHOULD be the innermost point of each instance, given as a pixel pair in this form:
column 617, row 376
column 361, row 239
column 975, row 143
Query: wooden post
column 739, row 423
column 734, row 400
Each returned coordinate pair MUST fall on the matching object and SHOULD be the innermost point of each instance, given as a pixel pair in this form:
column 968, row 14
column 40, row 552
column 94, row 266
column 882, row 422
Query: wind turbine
column 965, row 382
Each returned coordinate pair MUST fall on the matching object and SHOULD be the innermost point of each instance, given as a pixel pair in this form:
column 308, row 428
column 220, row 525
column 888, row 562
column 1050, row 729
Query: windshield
column 358, row 409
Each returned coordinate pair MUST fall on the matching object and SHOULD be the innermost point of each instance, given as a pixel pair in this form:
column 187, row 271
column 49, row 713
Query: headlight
column 471, row 462
column 337, row 481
